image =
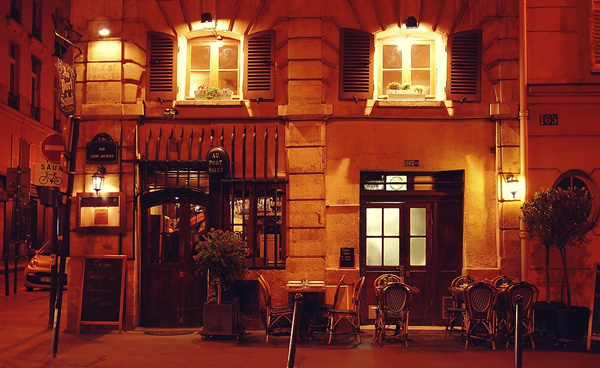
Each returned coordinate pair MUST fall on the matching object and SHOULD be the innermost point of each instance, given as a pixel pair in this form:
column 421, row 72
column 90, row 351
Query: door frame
column 190, row 313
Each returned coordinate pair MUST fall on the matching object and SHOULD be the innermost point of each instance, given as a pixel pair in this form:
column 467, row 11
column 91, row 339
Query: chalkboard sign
column 346, row 257
column 594, row 326
column 102, row 290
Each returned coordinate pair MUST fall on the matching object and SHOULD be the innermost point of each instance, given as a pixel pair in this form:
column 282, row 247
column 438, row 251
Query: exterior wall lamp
column 98, row 179
column 207, row 22
column 512, row 184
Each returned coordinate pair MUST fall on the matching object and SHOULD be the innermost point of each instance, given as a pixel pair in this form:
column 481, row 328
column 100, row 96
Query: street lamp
column 98, row 179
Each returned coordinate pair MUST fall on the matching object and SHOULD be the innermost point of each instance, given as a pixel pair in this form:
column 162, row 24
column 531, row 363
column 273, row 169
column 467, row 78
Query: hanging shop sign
column 66, row 90
column 217, row 161
column 101, row 150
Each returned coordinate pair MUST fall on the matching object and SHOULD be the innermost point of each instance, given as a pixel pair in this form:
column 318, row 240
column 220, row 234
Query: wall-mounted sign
column 103, row 212
column 346, row 257
column 411, row 163
column 101, row 150
column 217, row 161
column 66, row 90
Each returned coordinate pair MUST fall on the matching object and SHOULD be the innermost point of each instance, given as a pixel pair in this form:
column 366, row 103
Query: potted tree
column 559, row 218
column 221, row 254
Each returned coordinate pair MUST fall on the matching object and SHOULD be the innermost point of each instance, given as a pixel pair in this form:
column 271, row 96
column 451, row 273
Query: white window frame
column 438, row 59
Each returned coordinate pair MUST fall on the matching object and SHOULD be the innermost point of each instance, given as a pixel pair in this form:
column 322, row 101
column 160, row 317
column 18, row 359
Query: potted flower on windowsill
column 404, row 91
column 212, row 93
column 221, row 254
column 559, row 218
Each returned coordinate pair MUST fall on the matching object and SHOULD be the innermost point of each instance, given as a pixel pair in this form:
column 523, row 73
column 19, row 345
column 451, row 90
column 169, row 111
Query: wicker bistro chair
column 529, row 294
column 337, row 315
column 382, row 280
column 322, row 318
column 456, row 313
column 503, row 281
column 277, row 316
column 480, row 299
column 393, row 309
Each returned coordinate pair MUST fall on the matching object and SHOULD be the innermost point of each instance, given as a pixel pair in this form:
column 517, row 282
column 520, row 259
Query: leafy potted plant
column 221, row 254
column 560, row 218
column 404, row 91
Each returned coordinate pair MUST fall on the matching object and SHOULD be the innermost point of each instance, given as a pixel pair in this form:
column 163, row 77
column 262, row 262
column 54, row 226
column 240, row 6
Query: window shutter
column 595, row 36
column 162, row 58
column 259, row 68
column 356, row 66
column 464, row 66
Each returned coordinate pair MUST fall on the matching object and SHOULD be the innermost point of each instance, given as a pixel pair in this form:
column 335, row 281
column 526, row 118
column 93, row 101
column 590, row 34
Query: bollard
column 518, row 323
column 294, row 332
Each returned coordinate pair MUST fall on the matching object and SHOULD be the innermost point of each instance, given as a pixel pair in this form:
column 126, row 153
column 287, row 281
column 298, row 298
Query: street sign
column 52, row 147
column 48, row 175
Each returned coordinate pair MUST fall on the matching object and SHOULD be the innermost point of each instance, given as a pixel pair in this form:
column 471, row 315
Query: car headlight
column 33, row 263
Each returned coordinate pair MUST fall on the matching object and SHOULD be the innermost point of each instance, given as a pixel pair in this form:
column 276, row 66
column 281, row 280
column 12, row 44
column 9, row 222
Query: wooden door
column 172, row 292
column 419, row 240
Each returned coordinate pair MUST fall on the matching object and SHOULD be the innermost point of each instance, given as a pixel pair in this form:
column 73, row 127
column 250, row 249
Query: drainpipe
column 523, row 117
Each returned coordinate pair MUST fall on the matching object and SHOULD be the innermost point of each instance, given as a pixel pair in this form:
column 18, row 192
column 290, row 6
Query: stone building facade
column 334, row 149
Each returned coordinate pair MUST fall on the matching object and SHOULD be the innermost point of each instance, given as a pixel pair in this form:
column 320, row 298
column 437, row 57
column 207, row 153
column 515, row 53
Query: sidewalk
column 25, row 341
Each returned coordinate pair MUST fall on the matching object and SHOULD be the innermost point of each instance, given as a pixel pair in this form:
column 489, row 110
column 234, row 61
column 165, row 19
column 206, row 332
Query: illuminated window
column 407, row 60
column 212, row 63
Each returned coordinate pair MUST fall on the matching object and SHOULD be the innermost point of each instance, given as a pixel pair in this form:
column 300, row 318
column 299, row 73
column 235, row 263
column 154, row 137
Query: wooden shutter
column 259, row 71
column 464, row 66
column 162, row 59
column 356, row 66
column 595, row 36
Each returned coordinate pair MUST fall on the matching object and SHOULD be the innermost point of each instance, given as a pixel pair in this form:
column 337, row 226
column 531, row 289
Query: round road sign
column 52, row 147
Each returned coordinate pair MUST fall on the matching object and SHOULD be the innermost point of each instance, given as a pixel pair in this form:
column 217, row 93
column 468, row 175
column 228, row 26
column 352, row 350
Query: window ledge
column 405, row 103
column 209, row 103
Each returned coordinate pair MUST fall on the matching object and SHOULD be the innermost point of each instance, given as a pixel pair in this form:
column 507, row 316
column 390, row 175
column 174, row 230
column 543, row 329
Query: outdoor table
column 312, row 302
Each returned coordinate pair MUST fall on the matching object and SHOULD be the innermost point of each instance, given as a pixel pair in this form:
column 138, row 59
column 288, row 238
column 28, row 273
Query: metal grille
column 249, row 200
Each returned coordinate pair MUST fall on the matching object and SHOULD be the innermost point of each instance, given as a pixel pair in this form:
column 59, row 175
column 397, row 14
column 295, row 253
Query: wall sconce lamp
column 98, row 179
column 411, row 22
column 207, row 22
column 103, row 32
column 512, row 184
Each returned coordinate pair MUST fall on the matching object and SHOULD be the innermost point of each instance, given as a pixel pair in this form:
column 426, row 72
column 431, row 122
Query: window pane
column 420, row 56
column 392, row 57
column 228, row 80
column 418, row 222
column 391, row 248
column 228, row 57
column 200, row 57
column 421, row 77
column 418, row 252
column 373, row 251
column 391, row 221
column 374, row 224
column 197, row 79
column 391, row 76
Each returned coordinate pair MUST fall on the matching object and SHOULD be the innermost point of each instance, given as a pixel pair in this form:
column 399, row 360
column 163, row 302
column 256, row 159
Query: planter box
column 571, row 323
column 221, row 319
column 406, row 95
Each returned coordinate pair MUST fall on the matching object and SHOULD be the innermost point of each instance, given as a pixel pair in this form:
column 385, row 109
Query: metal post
column 294, row 332
column 518, row 317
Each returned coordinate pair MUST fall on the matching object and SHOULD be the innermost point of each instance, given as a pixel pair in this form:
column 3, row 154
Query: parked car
column 37, row 273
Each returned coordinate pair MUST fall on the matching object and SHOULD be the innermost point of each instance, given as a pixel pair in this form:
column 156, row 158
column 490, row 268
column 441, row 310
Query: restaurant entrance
column 415, row 233
column 172, row 292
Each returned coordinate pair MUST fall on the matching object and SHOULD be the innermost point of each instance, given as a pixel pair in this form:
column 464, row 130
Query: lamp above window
column 207, row 22
column 411, row 22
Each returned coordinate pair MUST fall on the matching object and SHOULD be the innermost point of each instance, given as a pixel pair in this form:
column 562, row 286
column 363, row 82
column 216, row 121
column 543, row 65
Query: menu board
column 594, row 326
column 102, row 290
column 346, row 257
